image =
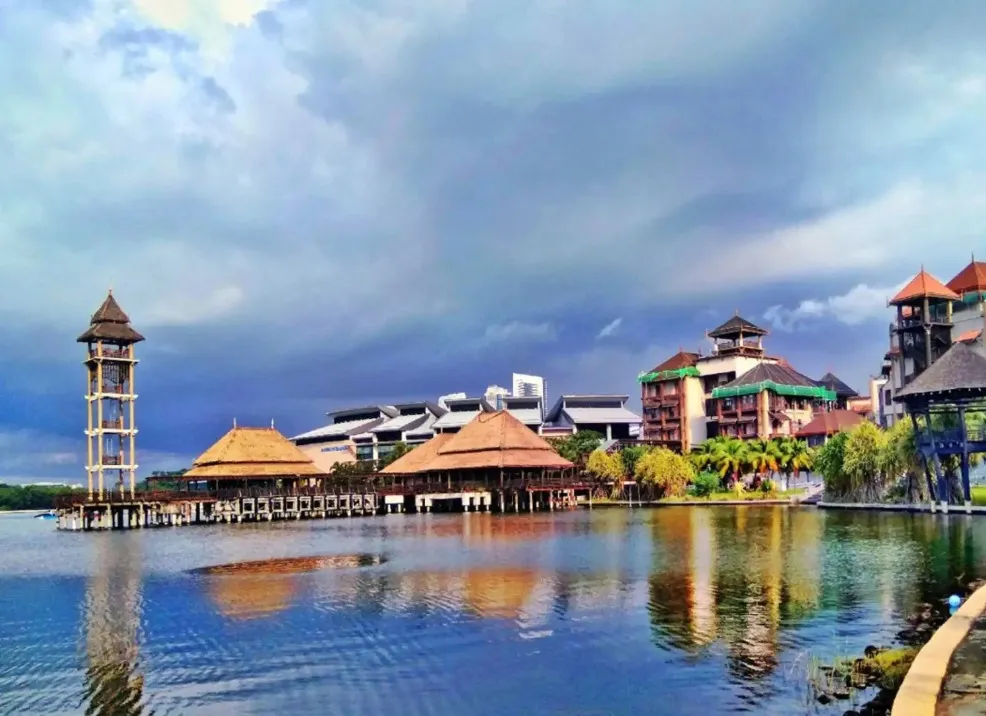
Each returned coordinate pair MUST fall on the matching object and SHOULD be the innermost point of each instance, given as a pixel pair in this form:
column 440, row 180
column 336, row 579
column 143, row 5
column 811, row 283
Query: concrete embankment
column 919, row 694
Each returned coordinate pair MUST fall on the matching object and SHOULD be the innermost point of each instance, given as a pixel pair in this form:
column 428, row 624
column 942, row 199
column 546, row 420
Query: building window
column 364, row 452
column 727, row 404
column 749, row 401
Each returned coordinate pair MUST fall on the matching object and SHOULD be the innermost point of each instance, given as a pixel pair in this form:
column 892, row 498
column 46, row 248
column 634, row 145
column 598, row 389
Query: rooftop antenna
column 272, row 423
column 234, row 422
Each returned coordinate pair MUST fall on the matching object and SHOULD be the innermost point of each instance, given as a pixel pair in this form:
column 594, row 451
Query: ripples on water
column 675, row 610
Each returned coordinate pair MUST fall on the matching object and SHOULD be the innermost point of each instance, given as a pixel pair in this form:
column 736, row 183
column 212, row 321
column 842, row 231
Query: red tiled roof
column 969, row 336
column 971, row 278
column 831, row 423
column 681, row 359
column 924, row 285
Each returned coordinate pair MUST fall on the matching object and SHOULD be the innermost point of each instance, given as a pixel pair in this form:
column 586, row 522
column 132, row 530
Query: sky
column 309, row 205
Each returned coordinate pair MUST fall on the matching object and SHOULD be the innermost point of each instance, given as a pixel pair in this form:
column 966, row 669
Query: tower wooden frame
column 111, row 427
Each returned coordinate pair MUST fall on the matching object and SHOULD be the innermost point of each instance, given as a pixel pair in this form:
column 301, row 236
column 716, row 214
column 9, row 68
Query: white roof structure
column 592, row 409
column 401, row 423
column 612, row 416
column 455, row 419
column 337, row 430
column 527, row 410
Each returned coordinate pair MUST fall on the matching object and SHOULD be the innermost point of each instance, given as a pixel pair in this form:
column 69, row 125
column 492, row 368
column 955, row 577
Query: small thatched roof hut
column 413, row 461
column 495, row 441
column 245, row 453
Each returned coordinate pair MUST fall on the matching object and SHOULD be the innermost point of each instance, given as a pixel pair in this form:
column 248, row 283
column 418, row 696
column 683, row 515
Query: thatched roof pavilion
column 413, row 461
column 252, row 453
column 495, row 441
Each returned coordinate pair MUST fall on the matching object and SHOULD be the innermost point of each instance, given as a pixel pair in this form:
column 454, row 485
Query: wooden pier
column 176, row 509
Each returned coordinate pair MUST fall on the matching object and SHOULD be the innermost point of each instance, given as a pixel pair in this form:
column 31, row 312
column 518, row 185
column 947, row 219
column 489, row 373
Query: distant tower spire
column 234, row 422
column 111, row 429
column 272, row 423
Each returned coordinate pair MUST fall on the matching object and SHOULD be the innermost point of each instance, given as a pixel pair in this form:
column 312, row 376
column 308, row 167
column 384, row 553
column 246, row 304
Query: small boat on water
column 49, row 515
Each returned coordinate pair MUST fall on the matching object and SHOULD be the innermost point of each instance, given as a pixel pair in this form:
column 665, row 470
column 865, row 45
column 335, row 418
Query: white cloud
column 858, row 305
column 519, row 332
column 610, row 328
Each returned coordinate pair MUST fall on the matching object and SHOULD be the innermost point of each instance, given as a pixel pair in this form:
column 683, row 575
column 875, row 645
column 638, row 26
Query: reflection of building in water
column 732, row 576
column 251, row 596
column 112, row 623
column 516, row 593
column 248, row 590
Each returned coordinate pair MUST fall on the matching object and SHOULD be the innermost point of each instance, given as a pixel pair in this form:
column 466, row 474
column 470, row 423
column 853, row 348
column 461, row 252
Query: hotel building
column 737, row 390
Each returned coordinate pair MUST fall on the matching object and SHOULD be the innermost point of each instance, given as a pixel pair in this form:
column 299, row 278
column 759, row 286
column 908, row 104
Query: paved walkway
column 964, row 691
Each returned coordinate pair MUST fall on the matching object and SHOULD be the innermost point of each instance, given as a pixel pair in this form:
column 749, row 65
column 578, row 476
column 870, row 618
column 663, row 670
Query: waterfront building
column 737, row 390
column 826, row 424
column 111, row 427
column 493, row 460
column 259, row 458
column 920, row 334
column 413, row 425
column 953, row 387
column 843, row 393
column 528, row 410
column 336, row 442
column 768, row 401
column 460, row 412
column 604, row 414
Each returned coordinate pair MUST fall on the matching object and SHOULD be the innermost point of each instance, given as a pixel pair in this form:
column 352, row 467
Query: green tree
column 629, row 457
column 400, row 450
column 862, row 462
column 577, row 447
column 664, row 472
column 605, row 466
column 829, row 461
column 901, row 460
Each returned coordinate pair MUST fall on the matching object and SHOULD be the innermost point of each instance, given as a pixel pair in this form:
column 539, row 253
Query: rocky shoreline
column 882, row 668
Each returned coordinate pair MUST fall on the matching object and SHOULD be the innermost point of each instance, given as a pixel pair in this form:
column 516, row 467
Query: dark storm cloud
column 332, row 204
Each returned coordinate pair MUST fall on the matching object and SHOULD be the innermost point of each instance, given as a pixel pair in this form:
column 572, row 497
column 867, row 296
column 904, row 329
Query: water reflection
column 114, row 685
column 747, row 578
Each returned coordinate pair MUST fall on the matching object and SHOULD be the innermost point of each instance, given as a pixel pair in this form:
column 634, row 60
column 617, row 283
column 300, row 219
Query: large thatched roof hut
column 413, row 461
column 250, row 454
column 496, row 441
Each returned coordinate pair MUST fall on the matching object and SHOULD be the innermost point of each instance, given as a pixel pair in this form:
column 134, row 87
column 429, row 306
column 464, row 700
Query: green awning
column 799, row 391
column 669, row 375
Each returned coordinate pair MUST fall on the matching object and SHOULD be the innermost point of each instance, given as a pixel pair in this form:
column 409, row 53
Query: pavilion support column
column 924, row 460
column 966, row 489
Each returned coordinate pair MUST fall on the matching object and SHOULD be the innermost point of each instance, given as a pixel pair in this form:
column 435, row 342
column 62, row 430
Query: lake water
column 677, row 610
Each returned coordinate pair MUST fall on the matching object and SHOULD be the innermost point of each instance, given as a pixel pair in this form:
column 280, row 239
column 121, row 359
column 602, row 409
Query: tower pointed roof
column 923, row 285
column 252, row 452
column 971, row 278
column 737, row 324
column 110, row 323
column 836, row 385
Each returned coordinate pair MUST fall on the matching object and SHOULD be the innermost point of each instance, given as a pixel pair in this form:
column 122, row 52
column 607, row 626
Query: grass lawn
column 750, row 496
column 978, row 495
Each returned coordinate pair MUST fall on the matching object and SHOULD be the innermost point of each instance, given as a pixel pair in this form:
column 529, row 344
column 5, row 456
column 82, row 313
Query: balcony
column 113, row 424
column 112, row 460
column 110, row 353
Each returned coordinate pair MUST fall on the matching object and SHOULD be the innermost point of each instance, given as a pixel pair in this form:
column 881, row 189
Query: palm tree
column 762, row 456
column 793, row 456
column 703, row 455
column 730, row 457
